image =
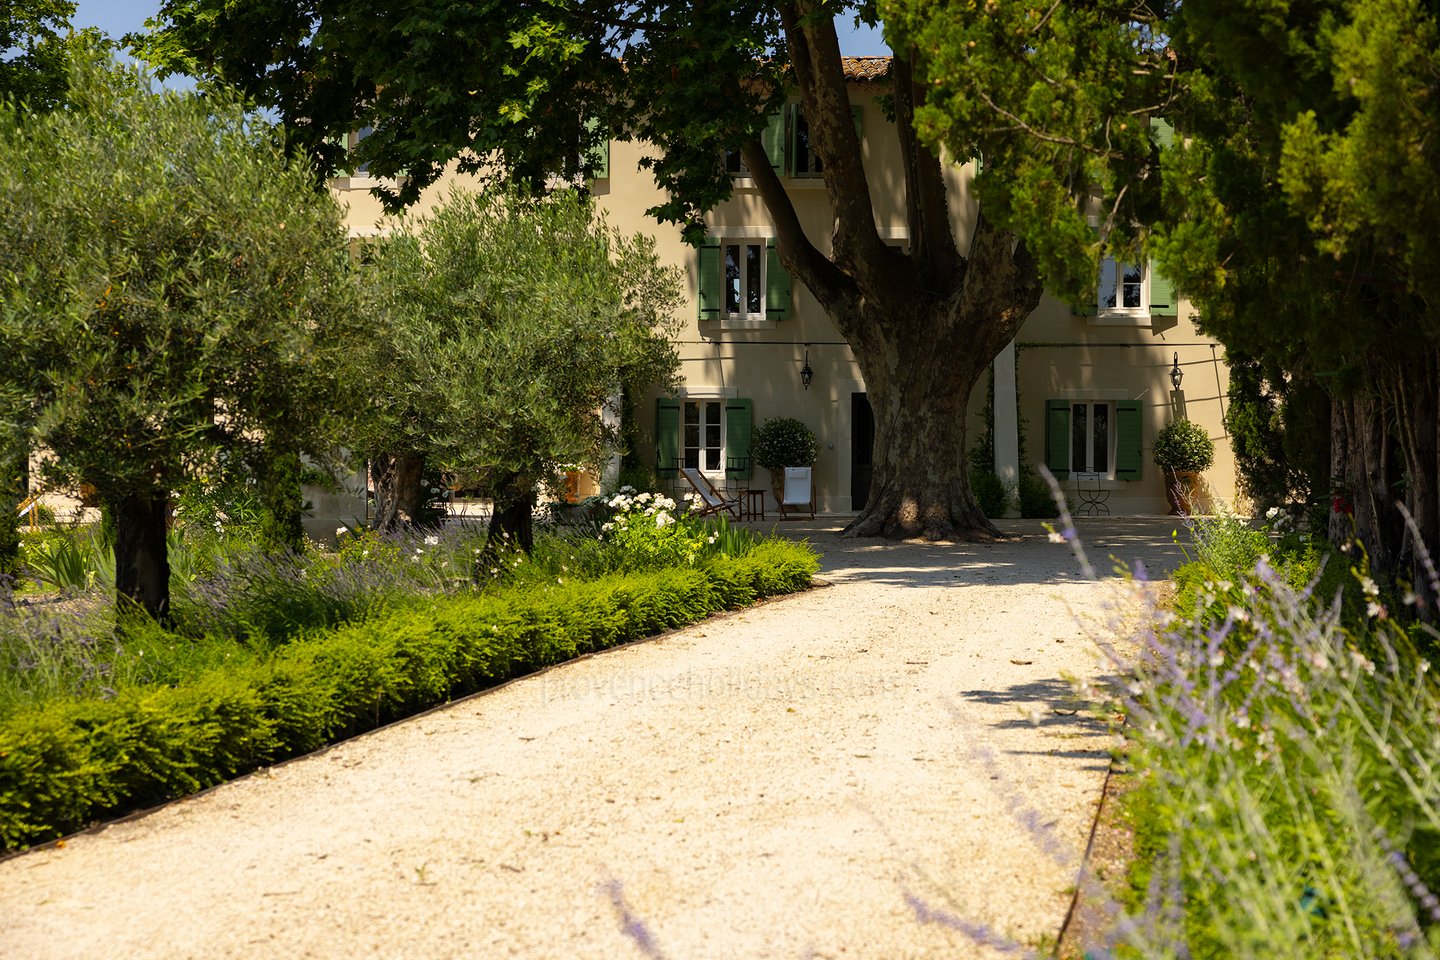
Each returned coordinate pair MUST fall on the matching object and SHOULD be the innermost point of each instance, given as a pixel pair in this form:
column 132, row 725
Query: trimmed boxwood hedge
column 67, row 763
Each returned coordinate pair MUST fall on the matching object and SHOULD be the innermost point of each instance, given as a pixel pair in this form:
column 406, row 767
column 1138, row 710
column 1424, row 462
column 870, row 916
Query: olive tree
column 169, row 281
column 502, row 327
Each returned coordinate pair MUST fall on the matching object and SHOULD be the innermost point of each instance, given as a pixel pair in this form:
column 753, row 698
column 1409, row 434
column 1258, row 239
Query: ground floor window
column 704, row 435
column 707, row 433
column 1091, row 438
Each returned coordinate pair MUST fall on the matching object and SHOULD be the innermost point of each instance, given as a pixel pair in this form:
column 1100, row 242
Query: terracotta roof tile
column 866, row 68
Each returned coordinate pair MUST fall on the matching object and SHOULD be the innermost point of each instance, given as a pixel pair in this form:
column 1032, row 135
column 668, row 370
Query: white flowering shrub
column 648, row 531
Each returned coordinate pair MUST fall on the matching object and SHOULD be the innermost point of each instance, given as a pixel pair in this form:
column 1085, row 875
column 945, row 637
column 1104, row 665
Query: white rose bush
column 648, row 531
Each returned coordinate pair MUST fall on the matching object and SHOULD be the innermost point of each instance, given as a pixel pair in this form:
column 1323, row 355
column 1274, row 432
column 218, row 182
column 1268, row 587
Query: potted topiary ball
column 1182, row 450
column 782, row 442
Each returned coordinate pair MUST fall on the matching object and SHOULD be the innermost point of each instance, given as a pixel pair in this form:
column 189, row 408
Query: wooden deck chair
column 712, row 501
column 799, row 494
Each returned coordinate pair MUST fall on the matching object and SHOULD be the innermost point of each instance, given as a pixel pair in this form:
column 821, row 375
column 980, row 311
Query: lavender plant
column 1287, row 799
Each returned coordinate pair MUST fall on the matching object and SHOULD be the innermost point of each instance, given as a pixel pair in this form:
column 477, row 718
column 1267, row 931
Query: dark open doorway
column 862, row 443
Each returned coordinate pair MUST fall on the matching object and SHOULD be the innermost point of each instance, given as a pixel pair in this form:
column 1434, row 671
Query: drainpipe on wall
column 1007, row 426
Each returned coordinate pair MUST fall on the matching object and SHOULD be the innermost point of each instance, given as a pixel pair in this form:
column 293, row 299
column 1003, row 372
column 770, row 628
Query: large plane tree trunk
column 919, row 372
column 923, row 323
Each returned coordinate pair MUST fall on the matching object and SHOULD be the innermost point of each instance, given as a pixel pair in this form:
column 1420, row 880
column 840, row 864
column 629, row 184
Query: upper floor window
column 1131, row 293
column 744, row 279
column 742, row 282
column 1122, row 287
column 804, row 161
column 787, row 144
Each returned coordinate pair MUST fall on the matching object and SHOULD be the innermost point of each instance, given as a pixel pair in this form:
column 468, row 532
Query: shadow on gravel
column 1115, row 545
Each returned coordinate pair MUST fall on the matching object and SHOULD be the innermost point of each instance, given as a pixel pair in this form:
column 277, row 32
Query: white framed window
column 1124, row 289
column 1092, row 438
column 707, row 429
column 744, row 289
column 702, row 434
column 1132, row 294
column 742, row 284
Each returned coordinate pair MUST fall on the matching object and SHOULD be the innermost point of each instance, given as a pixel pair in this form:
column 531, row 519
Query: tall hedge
column 67, row 763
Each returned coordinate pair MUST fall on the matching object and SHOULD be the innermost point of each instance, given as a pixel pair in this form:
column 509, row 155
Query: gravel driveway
column 788, row 781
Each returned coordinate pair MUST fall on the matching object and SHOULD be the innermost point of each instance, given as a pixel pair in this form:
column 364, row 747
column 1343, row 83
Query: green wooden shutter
column 1162, row 133
column 1127, row 440
column 667, row 436
column 772, row 138
column 777, row 284
column 1057, row 437
column 1163, row 302
column 739, row 418
column 710, row 284
column 856, row 114
column 342, row 140
column 597, row 159
column 792, row 134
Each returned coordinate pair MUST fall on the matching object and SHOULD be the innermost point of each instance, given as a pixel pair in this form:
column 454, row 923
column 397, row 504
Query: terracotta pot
column 1180, row 487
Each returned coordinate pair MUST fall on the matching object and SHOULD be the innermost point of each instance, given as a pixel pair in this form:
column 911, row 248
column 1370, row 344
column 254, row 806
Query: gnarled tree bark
column 142, row 565
column 923, row 325
column 399, row 496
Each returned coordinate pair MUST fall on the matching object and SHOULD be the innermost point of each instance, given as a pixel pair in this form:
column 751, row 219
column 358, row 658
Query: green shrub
column 1285, row 756
column 989, row 491
column 62, row 560
column 1036, row 499
column 1183, row 445
column 783, row 442
column 65, row 762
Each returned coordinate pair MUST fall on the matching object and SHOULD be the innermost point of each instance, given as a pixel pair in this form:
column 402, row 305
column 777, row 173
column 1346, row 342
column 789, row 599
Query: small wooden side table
column 752, row 504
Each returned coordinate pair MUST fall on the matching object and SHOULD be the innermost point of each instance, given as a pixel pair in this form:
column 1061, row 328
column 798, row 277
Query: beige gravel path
column 772, row 783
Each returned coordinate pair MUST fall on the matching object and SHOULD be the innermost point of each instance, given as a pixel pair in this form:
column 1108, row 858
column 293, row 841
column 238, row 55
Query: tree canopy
column 1294, row 206
column 169, row 281
column 1300, row 216
column 527, row 87
column 37, row 45
column 1066, row 105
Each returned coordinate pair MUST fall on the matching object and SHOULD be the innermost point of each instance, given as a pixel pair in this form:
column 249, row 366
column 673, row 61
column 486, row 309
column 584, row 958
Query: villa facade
column 1084, row 391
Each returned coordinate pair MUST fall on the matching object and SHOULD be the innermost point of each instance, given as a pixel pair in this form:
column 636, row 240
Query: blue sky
column 118, row 17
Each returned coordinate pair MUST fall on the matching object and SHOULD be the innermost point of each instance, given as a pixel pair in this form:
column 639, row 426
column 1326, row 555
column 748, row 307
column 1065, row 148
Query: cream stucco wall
column 1063, row 356
column 1059, row 355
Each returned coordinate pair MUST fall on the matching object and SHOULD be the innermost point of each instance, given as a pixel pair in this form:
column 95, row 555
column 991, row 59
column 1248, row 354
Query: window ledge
column 363, row 182
column 1120, row 318
column 739, row 322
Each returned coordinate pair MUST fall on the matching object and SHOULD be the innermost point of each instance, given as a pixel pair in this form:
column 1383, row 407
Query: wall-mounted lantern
column 1175, row 375
column 806, row 374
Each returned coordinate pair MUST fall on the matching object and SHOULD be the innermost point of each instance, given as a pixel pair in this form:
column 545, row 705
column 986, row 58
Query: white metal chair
column 799, row 493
